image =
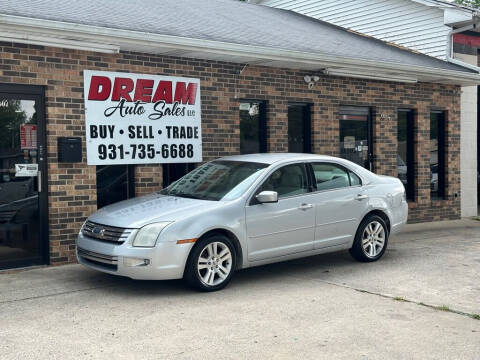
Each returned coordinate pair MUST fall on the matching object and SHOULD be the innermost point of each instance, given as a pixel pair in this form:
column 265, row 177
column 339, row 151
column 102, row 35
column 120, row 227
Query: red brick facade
column 72, row 187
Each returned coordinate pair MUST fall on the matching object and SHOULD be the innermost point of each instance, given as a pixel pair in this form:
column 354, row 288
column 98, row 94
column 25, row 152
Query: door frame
column 37, row 93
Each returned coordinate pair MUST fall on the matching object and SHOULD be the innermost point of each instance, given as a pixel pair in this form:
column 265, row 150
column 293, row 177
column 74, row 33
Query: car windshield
column 216, row 180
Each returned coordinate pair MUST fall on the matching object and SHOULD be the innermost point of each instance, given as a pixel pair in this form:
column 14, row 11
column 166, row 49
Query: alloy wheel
column 214, row 263
column 373, row 239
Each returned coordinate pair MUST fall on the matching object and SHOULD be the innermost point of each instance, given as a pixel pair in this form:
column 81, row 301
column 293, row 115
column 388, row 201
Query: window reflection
column 299, row 132
column 113, row 184
column 437, row 154
column 354, row 144
column 405, row 151
column 252, row 132
column 19, row 207
column 289, row 180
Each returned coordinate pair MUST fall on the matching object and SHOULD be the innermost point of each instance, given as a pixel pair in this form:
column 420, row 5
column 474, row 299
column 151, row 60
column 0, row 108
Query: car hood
column 137, row 212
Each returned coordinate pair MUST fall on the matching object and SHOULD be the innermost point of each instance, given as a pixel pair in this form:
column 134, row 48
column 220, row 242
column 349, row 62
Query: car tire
column 371, row 239
column 211, row 263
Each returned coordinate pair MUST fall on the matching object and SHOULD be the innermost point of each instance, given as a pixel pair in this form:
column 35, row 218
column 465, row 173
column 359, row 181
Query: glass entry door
column 299, row 128
column 356, row 136
column 22, row 177
column 253, row 137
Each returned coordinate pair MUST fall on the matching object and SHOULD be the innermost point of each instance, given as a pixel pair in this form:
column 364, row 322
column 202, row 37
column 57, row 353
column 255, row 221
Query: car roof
column 279, row 158
column 271, row 158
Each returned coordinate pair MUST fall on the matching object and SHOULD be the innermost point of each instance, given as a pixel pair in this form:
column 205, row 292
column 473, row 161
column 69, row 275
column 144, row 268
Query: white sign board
column 141, row 119
column 349, row 142
column 25, row 170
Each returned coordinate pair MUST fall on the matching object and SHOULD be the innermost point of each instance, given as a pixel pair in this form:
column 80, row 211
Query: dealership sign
column 141, row 119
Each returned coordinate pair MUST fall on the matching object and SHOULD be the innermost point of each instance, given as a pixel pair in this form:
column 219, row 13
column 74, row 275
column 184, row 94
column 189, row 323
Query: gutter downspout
column 450, row 57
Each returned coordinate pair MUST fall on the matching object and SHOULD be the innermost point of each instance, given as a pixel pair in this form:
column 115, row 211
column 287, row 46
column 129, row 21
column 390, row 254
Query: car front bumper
column 165, row 261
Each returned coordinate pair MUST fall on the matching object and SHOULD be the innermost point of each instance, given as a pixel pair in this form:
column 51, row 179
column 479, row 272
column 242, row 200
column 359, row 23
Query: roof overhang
column 444, row 4
column 108, row 40
column 453, row 14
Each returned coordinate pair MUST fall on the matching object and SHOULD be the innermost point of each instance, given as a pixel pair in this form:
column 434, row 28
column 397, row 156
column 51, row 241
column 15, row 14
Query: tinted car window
column 354, row 179
column 287, row 181
column 330, row 176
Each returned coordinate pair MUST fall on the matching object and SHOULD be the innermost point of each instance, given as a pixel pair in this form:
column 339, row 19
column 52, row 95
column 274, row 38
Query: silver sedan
column 243, row 211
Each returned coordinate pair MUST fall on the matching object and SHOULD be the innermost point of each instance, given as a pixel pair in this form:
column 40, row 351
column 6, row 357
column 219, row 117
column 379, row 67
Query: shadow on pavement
column 304, row 267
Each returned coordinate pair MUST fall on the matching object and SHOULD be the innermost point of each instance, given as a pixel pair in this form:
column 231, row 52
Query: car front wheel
column 211, row 264
column 371, row 239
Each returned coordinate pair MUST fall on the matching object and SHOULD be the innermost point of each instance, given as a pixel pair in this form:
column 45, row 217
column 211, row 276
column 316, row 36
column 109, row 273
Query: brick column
column 325, row 128
column 148, row 178
column 385, row 141
column 422, row 155
column 277, row 126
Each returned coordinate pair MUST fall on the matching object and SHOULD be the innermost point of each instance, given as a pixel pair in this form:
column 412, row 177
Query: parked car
column 243, row 211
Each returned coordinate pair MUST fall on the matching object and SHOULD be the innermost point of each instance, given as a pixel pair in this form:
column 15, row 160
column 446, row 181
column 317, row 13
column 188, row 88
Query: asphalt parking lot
column 421, row 301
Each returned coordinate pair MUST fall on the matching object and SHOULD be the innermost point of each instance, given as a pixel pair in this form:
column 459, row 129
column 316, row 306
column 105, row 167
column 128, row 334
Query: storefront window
column 299, row 128
column 114, row 183
column 252, row 127
column 173, row 172
column 437, row 154
column 356, row 135
column 405, row 152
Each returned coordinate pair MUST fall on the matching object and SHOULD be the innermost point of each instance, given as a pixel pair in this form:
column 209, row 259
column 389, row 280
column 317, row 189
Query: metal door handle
column 39, row 180
column 305, row 207
column 361, row 197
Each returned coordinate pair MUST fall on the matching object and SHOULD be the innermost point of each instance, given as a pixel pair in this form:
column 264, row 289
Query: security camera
column 311, row 80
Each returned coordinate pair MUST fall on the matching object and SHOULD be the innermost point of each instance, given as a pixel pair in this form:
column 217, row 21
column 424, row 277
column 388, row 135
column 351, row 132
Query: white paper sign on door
column 141, row 119
column 26, row 170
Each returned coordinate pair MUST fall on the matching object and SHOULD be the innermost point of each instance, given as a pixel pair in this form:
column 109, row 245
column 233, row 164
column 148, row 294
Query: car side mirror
column 266, row 197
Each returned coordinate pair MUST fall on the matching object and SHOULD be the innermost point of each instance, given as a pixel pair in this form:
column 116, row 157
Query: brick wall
column 72, row 187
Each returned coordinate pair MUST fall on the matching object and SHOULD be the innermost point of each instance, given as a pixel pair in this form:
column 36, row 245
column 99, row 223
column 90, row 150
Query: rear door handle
column 305, row 207
column 361, row 197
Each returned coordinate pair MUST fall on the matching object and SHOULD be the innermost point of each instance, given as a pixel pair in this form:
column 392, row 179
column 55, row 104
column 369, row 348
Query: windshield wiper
column 188, row 196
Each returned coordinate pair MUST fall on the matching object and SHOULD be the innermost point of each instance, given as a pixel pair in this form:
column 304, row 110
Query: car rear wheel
column 371, row 239
column 211, row 264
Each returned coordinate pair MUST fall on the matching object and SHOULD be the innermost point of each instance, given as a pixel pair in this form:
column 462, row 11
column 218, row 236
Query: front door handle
column 305, row 207
column 361, row 197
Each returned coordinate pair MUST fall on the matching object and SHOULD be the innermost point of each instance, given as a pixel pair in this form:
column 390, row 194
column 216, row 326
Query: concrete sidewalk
column 418, row 302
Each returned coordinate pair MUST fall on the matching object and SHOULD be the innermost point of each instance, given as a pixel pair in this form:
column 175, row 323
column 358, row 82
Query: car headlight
column 147, row 236
column 83, row 225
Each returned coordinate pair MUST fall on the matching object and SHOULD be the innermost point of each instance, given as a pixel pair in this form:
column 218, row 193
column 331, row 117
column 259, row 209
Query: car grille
column 106, row 261
column 106, row 233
